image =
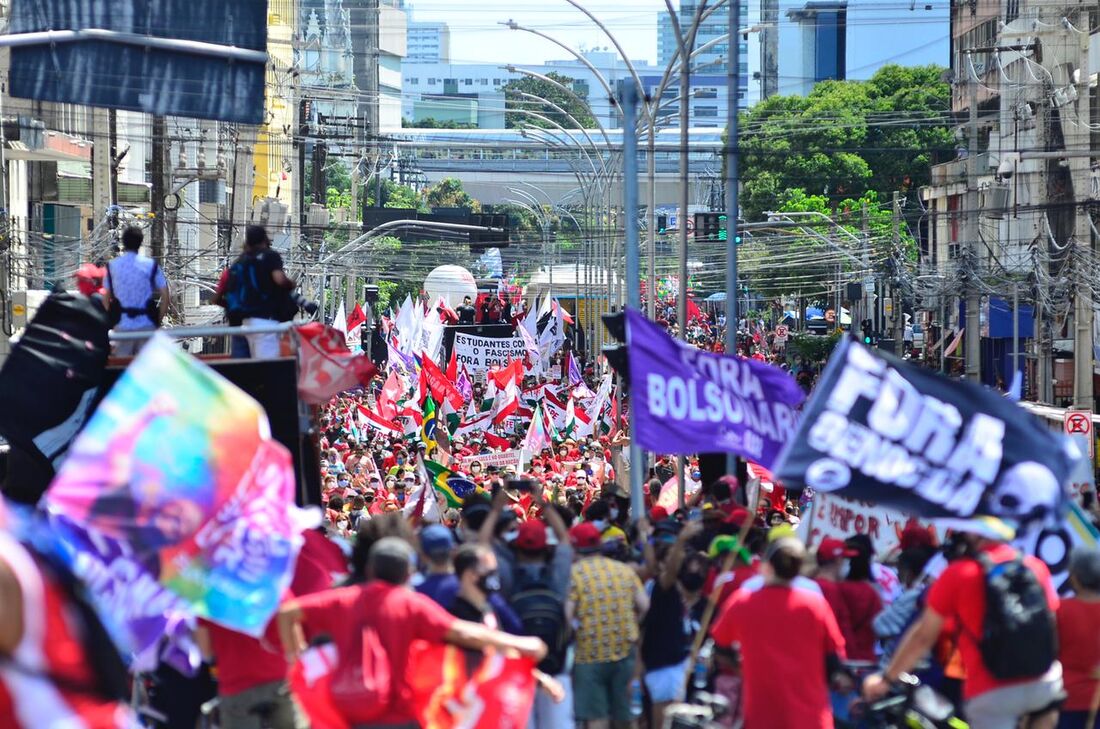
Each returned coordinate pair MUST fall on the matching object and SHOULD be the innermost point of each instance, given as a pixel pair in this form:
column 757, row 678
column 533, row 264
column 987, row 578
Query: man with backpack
column 542, row 576
column 133, row 283
column 1004, row 605
column 257, row 291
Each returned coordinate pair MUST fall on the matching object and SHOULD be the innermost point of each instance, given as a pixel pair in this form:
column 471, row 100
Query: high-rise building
column 852, row 39
column 428, row 42
column 756, row 44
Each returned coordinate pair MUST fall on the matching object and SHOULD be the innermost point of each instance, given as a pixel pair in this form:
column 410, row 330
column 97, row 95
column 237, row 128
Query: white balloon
column 452, row 283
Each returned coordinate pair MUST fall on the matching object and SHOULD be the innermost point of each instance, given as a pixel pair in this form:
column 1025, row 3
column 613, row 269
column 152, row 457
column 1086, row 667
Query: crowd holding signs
column 175, row 509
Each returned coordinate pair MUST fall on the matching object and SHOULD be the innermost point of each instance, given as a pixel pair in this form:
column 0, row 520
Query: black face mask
column 489, row 583
column 692, row 581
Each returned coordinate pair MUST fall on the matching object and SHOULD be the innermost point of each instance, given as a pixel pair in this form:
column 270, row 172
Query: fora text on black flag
column 879, row 429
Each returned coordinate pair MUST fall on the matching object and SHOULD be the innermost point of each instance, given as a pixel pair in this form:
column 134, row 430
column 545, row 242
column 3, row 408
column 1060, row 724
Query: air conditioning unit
column 317, row 216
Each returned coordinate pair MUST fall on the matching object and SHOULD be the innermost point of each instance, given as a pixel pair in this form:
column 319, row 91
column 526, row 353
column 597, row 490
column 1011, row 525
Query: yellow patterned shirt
column 602, row 592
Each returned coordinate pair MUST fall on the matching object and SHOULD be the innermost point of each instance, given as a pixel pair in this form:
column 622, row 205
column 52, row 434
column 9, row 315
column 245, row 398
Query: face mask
column 600, row 524
column 696, row 475
column 475, row 469
column 692, row 581
column 845, row 568
column 489, row 583
column 614, row 514
column 341, row 525
column 343, row 482
column 509, row 536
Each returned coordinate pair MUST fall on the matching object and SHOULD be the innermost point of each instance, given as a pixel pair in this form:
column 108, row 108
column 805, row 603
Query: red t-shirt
column 1079, row 650
column 863, row 603
column 783, row 633
column 398, row 614
column 243, row 661
column 834, row 595
column 960, row 593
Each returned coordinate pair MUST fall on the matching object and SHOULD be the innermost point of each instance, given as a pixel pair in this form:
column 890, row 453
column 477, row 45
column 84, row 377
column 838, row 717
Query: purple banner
column 688, row 401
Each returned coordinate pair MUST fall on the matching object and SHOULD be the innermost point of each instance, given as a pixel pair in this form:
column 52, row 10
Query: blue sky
column 477, row 37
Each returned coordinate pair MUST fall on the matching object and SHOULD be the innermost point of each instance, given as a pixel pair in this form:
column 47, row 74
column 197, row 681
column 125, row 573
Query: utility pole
column 899, row 310
column 242, row 180
column 865, row 305
column 159, row 170
column 973, row 336
column 630, row 205
column 101, row 166
column 1077, row 138
column 733, row 85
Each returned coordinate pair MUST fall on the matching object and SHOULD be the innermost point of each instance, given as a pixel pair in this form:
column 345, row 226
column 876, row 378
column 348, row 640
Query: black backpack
column 150, row 308
column 541, row 611
column 1019, row 639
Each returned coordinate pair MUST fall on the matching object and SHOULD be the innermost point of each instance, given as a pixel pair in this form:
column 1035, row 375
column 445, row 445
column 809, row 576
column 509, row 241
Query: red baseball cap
column 584, row 536
column 915, row 535
column 831, row 549
column 737, row 516
column 658, row 513
column 532, row 536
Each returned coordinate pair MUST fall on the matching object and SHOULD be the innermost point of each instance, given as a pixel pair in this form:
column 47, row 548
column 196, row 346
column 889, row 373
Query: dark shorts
column 602, row 690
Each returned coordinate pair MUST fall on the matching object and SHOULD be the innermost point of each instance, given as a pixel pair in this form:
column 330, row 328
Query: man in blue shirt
column 133, row 280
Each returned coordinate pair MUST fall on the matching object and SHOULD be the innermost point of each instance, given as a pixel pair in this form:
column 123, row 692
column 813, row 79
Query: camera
column 301, row 302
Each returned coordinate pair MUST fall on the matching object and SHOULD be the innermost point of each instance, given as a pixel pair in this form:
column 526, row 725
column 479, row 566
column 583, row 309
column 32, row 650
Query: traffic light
column 868, row 335
column 662, row 224
column 616, row 353
column 489, row 238
column 711, row 226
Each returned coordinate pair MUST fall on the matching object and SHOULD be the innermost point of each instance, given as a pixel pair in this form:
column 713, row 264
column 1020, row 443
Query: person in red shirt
column 959, row 594
column 832, row 556
column 807, row 642
column 1079, row 640
column 862, row 603
column 398, row 615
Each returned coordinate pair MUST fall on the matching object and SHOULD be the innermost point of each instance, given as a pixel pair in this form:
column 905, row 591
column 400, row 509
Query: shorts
column 239, row 710
column 602, row 690
column 1003, row 708
column 666, row 684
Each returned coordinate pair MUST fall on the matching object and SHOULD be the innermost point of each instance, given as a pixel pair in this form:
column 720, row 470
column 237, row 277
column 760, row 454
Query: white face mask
column 845, row 568
column 614, row 514
column 600, row 524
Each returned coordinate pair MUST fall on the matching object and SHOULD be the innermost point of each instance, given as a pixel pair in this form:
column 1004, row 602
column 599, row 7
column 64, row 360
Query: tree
column 846, row 138
column 514, row 102
column 448, row 193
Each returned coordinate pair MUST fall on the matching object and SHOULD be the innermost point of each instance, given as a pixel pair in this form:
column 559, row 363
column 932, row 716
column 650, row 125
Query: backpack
column 246, row 295
column 1019, row 638
column 541, row 611
column 149, row 308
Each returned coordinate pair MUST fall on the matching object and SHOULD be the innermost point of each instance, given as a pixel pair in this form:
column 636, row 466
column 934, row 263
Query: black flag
column 879, row 429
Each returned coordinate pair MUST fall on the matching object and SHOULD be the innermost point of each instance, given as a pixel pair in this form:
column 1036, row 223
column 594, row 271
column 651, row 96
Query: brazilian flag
column 428, row 426
column 453, row 488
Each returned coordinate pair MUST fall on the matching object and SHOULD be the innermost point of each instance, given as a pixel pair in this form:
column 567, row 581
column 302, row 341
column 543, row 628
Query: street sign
column 781, row 332
column 1078, row 425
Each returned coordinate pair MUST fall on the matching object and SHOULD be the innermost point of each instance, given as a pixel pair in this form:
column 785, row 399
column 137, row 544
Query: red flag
column 356, row 318
column 693, row 313
column 499, row 693
column 495, row 441
column 437, row 382
column 384, row 425
column 447, row 315
column 565, row 315
column 310, row 680
column 327, row 367
column 391, row 393
column 452, row 366
column 512, row 373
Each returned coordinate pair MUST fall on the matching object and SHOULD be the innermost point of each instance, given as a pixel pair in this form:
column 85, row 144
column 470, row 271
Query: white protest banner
column 837, row 517
column 498, row 460
column 479, row 354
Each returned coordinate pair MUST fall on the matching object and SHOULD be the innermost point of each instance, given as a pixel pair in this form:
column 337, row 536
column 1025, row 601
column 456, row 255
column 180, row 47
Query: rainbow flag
column 175, row 495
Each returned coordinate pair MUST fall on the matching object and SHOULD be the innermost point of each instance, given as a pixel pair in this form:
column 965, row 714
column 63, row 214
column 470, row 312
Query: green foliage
column 812, row 347
column 448, row 193
column 514, row 101
column 432, row 123
column 846, row 138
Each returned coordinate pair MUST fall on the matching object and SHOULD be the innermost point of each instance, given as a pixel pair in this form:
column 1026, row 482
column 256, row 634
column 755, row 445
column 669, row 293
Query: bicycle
column 910, row 705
